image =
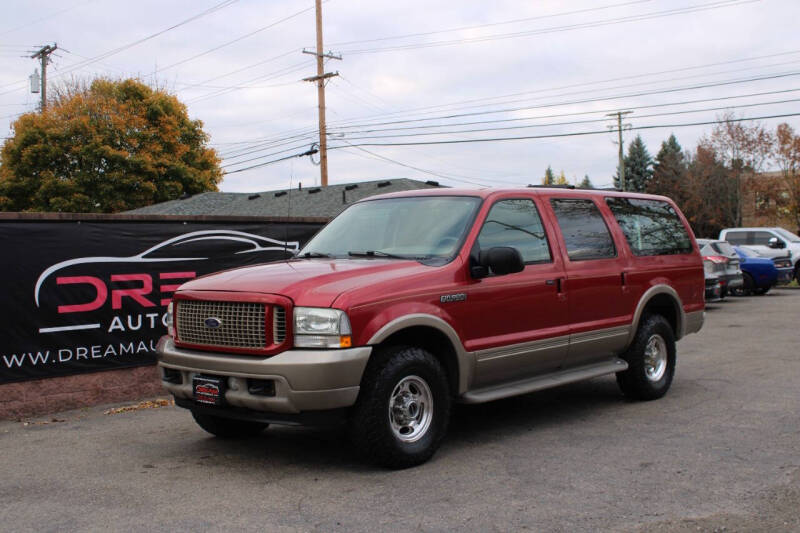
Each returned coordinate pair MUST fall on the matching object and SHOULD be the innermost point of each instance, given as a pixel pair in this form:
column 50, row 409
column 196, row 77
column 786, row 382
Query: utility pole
column 619, row 115
column 320, row 79
column 44, row 55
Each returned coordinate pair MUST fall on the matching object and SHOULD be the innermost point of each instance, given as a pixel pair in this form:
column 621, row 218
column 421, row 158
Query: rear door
column 600, row 302
column 517, row 324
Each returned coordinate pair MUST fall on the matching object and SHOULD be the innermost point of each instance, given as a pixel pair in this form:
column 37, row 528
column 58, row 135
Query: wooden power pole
column 619, row 115
column 44, row 55
column 320, row 79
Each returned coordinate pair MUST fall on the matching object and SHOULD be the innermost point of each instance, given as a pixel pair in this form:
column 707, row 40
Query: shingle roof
column 308, row 202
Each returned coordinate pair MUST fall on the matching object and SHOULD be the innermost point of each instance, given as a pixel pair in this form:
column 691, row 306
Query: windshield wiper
column 377, row 253
column 312, row 255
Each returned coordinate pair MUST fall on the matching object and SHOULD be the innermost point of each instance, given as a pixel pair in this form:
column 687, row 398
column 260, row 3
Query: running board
column 524, row 386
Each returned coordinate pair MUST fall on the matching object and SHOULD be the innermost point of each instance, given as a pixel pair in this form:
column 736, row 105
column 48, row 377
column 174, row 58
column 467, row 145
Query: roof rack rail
column 551, row 186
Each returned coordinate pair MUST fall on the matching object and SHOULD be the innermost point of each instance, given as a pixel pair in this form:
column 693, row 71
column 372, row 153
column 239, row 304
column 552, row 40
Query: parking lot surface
column 721, row 452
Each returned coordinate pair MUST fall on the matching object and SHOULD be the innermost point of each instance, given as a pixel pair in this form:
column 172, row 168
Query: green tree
column 670, row 172
column 549, row 177
column 108, row 147
column 638, row 167
column 586, row 183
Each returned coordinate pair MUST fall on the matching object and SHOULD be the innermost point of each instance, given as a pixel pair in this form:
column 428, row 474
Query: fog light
column 171, row 375
column 261, row 387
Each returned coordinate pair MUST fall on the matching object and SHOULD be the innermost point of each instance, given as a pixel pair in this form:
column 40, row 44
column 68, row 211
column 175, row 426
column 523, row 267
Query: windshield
column 422, row 227
column 723, row 248
column 788, row 235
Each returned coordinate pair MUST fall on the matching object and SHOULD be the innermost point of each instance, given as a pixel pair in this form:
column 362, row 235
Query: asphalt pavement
column 721, row 452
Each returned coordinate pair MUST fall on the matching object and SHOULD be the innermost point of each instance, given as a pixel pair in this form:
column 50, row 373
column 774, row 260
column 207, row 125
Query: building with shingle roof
column 324, row 202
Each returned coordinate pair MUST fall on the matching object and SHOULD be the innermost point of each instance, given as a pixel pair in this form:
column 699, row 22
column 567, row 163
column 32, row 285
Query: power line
column 588, row 100
column 460, row 104
column 236, row 40
column 558, row 29
column 349, row 123
column 573, row 122
column 570, row 134
column 46, row 17
column 307, row 152
column 424, row 171
column 478, row 26
column 109, row 53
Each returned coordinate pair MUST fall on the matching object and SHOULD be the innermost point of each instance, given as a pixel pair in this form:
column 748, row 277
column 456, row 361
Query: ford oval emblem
column 212, row 322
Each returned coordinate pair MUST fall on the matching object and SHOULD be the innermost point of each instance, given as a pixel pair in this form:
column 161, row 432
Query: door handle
column 554, row 282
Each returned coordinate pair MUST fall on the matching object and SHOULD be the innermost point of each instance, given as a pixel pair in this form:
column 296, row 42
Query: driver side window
column 516, row 223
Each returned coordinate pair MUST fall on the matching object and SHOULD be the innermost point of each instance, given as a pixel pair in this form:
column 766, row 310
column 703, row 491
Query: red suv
column 408, row 302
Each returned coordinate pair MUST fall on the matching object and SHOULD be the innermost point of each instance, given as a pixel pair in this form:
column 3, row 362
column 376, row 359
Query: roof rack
column 551, row 186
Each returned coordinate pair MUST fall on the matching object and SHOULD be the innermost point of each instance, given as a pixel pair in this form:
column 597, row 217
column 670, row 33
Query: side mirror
column 774, row 242
column 500, row 260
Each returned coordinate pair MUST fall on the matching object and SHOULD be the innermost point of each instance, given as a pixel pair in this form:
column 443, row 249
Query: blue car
column 760, row 273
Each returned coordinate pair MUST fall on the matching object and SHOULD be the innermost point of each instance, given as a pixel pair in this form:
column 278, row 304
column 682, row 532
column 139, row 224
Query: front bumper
column 305, row 380
column 785, row 275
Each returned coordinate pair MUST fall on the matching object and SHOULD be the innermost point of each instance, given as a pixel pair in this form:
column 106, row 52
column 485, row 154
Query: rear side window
column 736, row 237
column 516, row 223
column 651, row 227
column 585, row 233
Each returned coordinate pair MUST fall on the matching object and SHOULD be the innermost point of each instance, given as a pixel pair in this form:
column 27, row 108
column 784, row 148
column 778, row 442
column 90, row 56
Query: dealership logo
column 212, row 322
column 217, row 243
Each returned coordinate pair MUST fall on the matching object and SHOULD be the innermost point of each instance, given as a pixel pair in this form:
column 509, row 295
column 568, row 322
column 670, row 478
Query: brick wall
column 31, row 398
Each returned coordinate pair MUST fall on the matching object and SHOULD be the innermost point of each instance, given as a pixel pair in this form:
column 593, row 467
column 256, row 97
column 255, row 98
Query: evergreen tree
column 670, row 172
column 586, row 183
column 638, row 167
column 549, row 177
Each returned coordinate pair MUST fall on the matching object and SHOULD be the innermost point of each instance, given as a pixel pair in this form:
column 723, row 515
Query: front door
column 518, row 323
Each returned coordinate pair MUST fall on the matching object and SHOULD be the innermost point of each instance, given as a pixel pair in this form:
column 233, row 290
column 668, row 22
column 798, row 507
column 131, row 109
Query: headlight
column 316, row 327
column 170, row 321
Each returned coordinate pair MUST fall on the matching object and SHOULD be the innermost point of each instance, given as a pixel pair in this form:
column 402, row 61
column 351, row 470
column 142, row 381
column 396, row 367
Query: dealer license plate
column 209, row 390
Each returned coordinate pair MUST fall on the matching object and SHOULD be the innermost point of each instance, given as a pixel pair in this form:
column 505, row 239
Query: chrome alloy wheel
column 655, row 358
column 410, row 409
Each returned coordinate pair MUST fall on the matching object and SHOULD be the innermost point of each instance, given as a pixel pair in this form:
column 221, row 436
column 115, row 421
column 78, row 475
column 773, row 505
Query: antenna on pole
column 619, row 128
column 320, row 79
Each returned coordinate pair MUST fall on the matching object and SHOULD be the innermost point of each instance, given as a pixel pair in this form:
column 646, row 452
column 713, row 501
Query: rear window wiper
column 377, row 253
column 312, row 255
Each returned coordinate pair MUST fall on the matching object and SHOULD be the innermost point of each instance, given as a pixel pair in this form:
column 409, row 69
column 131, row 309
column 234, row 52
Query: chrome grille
column 242, row 324
column 278, row 324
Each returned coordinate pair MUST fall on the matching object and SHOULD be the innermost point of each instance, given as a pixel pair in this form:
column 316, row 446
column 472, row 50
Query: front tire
column 227, row 428
column 651, row 360
column 403, row 408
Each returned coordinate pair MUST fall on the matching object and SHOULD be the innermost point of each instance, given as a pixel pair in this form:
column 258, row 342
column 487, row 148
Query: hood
column 308, row 282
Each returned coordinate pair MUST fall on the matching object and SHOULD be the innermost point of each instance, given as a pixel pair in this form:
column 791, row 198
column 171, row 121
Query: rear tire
column 403, row 408
column 226, row 428
column 651, row 360
column 748, row 285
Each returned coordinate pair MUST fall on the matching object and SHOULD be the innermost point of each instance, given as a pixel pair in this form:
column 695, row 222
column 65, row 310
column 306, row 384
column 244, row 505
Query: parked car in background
column 761, row 273
column 713, row 286
column 726, row 264
column 768, row 242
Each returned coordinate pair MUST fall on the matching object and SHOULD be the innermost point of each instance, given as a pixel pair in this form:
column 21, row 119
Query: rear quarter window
column 651, row 227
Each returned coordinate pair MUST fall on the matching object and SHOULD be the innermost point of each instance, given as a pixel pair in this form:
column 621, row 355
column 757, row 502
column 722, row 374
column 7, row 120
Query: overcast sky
column 428, row 70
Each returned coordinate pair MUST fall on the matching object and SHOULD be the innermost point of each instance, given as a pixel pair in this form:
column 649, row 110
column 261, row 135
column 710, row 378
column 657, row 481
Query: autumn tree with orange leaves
column 105, row 148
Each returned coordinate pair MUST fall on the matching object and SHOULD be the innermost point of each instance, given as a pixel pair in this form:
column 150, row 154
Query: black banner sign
column 87, row 296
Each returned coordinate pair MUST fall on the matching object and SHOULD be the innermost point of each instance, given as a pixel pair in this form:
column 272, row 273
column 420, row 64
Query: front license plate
column 209, row 390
